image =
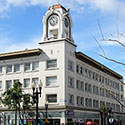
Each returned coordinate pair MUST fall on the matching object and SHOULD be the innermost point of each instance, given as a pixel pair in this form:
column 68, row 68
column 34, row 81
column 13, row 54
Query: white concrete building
column 75, row 85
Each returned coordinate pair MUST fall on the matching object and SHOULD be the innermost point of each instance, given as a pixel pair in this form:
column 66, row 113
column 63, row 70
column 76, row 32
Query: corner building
column 75, row 85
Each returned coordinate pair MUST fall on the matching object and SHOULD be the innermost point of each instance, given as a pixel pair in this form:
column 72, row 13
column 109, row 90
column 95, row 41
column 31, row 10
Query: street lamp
column 37, row 90
column 46, row 107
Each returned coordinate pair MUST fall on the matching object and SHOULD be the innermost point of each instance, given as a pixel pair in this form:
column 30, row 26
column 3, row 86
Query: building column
column 63, row 119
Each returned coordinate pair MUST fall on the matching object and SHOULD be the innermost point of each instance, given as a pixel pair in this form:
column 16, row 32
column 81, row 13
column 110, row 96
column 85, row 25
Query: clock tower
column 57, row 24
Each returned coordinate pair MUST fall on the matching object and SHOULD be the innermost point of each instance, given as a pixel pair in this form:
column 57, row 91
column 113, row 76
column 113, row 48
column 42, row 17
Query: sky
column 21, row 26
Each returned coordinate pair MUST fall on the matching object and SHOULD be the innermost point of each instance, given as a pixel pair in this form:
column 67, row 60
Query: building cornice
column 92, row 62
column 19, row 54
column 58, row 40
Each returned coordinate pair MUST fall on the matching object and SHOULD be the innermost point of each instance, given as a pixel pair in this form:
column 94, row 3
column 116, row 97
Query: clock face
column 66, row 22
column 53, row 20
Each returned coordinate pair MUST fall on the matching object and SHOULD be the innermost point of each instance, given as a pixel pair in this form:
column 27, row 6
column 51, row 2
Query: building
column 76, row 86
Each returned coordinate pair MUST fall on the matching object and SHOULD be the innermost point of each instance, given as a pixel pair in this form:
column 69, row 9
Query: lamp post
column 46, row 108
column 37, row 90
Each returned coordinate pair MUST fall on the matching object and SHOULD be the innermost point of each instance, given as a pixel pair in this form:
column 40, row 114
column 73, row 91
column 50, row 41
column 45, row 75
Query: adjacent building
column 75, row 85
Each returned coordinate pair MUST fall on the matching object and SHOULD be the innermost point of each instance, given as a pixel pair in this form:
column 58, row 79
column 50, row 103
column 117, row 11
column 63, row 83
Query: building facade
column 76, row 86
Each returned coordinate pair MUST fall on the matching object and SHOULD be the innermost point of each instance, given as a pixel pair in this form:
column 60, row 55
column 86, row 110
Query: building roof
column 18, row 54
column 92, row 62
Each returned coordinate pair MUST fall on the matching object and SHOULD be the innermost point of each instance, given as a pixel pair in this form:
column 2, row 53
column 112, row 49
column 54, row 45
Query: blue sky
column 21, row 26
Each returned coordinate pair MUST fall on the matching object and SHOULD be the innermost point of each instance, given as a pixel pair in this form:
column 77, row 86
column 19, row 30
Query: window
column 0, row 84
column 77, row 69
column 82, row 101
column 82, row 85
column 52, row 63
column 70, row 82
column 16, row 81
column 16, row 67
column 121, row 87
column 1, row 69
column 35, row 80
column 27, row 67
column 70, row 65
column 8, row 84
column 81, row 70
column 95, row 103
column 35, row 65
column 95, row 89
column 88, row 102
column 26, row 83
column 51, row 81
column 78, row 100
column 51, row 98
column 78, row 84
column 9, row 68
column 71, row 99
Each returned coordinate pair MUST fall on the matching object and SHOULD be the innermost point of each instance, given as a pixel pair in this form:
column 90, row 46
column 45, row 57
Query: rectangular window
column 16, row 81
column 51, row 81
column 26, row 83
column 35, row 80
column 71, row 99
column 35, row 65
column 70, row 65
column 52, row 63
column 8, row 84
column 1, row 69
column 77, row 68
column 51, row 98
column 82, row 85
column 0, row 84
column 70, row 82
column 82, row 101
column 8, row 68
column 78, row 100
column 27, row 67
column 16, row 67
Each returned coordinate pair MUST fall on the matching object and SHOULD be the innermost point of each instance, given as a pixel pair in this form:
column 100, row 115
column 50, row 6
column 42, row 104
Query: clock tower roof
column 57, row 6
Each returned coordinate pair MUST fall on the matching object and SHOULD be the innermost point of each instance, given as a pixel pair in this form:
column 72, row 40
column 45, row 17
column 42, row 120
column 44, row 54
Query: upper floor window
column 27, row 67
column 121, row 87
column 51, row 81
column 88, row 102
column 70, row 82
column 1, row 69
column 35, row 80
column 16, row 67
column 8, row 84
column 95, row 89
column 51, row 98
column 70, row 65
column 8, row 68
column 52, row 63
column 35, row 65
column 16, row 81
column 77, row 68
column 95, row 103
column 71, row 99
column 26, row 83
column 0, row 84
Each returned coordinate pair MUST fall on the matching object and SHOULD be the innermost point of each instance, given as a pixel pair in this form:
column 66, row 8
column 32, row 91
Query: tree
column 15, row 99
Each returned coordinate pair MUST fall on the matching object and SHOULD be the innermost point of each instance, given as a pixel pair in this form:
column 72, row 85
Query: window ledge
column 52, row 69
column 18, row 72
column 37, row 70
column 54, row 86
column 9, row 73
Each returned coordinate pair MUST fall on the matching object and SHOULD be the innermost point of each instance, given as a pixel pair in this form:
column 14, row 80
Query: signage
column 70, row 113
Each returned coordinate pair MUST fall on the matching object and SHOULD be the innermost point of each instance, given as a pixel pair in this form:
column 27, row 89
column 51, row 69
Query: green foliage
column 14, row 98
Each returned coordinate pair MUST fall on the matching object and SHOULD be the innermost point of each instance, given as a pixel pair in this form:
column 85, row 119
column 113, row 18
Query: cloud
column 77, row 5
